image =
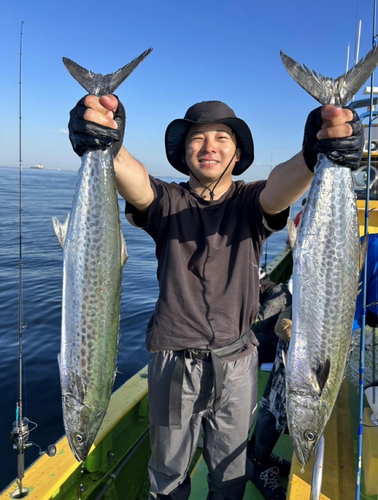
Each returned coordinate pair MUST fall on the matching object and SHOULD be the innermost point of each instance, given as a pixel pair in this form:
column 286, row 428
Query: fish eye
column 79, row 438
column 310, row 435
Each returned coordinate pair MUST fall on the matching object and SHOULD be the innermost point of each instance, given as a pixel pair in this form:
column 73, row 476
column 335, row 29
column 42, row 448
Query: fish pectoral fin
column 81, row 387
column 363, row 251
column 292, row 231
column 322, row 373
column 70, row 400
column 61, row 229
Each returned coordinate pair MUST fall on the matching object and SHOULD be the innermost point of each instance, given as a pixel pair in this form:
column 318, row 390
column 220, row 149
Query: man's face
column 208, row 150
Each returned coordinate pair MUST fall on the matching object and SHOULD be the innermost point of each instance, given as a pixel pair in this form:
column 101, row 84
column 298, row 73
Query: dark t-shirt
column 208, row 263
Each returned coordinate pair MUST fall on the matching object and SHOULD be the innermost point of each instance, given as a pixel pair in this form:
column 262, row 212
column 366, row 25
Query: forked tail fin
column 97, row 84
column 327, row 90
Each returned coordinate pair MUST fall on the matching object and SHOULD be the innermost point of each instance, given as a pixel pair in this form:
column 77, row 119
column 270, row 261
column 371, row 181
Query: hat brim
column 175, row 138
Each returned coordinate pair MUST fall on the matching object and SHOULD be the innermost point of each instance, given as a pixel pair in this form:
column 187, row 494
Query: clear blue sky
column 203, row 49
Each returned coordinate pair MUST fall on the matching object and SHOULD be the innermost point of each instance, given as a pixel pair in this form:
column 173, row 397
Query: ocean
column 48, row 193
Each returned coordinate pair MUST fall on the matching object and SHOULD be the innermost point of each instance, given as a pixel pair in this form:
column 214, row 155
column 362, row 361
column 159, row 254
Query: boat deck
column 199, row 473
column 60, row 477
column 339, row 470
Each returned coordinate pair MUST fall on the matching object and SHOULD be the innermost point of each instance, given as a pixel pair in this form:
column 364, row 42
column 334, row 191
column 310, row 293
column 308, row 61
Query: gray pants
column 226, row 432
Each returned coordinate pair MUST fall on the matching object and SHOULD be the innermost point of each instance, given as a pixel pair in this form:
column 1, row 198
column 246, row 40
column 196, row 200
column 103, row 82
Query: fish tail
column 97, row 84
column 327, row 90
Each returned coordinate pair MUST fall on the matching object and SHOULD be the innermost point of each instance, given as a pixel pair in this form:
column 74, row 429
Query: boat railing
column 360, row 177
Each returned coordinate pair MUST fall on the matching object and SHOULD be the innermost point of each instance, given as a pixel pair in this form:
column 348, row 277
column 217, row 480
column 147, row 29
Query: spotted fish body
column 326, row 257
column 326, row 267
column 94, row 252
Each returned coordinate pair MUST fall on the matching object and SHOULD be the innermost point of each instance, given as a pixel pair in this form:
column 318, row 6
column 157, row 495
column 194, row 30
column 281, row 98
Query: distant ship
column 40, row 167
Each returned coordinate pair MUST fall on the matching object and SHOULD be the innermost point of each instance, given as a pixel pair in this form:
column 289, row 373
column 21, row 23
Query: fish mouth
column 303, row 447
column 304, row 433
column 79, row 456
column 303, row 455
column 79, row 452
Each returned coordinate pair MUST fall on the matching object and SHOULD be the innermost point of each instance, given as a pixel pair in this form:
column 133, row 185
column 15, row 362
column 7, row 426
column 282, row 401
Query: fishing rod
column 20, row 432
column 364, row 288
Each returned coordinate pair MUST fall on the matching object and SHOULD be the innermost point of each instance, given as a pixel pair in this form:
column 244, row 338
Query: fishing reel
column 20, row 439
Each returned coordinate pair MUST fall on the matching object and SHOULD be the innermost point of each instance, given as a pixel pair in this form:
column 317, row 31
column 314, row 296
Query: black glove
column 346, row 151
column 89, row 136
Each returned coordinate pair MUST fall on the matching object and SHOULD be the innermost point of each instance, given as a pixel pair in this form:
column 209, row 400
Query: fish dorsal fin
column 61, row 229
column 327, row 90
column 97, row 84
column 322, row 373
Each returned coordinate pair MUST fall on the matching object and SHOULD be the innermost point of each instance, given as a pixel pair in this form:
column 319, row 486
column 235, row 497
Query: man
column 209, row 233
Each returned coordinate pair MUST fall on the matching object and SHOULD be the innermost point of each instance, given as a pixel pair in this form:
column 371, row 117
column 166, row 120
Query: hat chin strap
column 211, row 190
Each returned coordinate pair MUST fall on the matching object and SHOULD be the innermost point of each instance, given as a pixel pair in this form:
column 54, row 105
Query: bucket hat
column 208, row 112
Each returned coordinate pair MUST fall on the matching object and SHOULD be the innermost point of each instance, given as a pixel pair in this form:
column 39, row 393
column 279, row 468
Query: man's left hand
column 335, row 132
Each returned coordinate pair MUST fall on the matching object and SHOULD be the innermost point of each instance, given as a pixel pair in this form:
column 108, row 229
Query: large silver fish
column 94, row 252
column 326, row 258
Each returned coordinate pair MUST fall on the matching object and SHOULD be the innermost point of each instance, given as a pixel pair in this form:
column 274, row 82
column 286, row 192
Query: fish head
column 81, row 423
column 306, row 419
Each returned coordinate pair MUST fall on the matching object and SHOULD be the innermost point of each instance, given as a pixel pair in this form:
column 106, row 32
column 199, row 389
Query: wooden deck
column 339, row 471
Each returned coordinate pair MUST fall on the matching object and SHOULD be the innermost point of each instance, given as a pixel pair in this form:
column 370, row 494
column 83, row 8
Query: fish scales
column 94, row 252
column 326, row 267
column 93, row 240
column 325, row 284
column 93, row 261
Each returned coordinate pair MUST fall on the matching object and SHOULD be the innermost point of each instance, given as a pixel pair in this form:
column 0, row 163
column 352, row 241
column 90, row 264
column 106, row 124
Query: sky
column 202, row 50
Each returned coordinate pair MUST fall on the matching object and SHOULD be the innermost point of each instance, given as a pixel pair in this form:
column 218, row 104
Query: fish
column 327, row 257
column 94, row 253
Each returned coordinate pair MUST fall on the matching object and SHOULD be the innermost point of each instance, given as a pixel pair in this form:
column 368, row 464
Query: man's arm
column 131, row 175
column 290, row 180
column 133, row 182
column 285, row 185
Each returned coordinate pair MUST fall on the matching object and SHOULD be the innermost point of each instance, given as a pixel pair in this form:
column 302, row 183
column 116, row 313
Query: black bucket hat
column 208, row 112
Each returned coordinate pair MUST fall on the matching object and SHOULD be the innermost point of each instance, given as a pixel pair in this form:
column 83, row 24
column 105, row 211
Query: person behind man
column 271, row 420
column 273, row 298
column 371, row 318
column 209, row 233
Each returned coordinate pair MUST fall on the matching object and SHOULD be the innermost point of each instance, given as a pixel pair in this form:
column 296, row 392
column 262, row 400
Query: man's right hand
column 97, row 123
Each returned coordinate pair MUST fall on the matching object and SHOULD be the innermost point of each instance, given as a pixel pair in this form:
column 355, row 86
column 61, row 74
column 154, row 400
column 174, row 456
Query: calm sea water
column 48, row 193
